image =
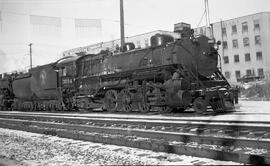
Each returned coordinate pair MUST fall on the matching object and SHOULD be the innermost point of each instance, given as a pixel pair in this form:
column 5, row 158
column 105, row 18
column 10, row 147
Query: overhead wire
column 65, row 17
column 42, row 1
column 201, row 18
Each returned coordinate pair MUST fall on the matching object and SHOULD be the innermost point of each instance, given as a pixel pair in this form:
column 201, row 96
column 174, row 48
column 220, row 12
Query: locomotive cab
column 66, row 73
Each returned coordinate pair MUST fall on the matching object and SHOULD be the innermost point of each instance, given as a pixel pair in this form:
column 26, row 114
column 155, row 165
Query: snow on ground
column 18, row 148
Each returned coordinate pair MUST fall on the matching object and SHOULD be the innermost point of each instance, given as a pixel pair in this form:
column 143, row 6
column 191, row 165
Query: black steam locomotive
column 171, row 74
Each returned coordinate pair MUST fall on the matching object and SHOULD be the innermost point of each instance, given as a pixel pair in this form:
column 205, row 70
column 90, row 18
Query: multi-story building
column 140, row 41
column 245, row 48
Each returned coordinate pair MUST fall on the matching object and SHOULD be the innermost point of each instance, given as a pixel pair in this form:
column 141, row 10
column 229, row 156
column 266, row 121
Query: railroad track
column 232, row 141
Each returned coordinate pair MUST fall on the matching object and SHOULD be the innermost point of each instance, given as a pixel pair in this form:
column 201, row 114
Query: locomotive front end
column 215, row 90
column 197, row 65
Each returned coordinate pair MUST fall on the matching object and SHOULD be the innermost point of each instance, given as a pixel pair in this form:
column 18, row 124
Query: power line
column 28, row 14
column 42, row 1
column 201, row 19
column 13, row 43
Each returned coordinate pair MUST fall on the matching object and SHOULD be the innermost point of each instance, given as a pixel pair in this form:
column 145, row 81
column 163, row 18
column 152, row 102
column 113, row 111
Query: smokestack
column 30, row 45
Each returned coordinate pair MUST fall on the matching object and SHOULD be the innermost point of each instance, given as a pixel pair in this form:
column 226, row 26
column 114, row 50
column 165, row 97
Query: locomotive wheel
column 24, row 106
column 52, row 107
column 228, row 105
column 223, row 107
column 164, row 109
column 47, row 108
column 143, row 105
column 126, row 100
column 110, row 101
column 199, row 105
column 31, row 107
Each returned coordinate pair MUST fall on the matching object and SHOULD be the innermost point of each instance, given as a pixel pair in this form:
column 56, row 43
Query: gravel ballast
column 24, row 148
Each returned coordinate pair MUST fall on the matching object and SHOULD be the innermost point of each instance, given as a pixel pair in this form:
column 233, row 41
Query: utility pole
column 122, row 28
column 207, row 15
column 30, row 45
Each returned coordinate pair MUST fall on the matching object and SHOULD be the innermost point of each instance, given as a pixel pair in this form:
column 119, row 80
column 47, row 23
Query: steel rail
column 129, row 116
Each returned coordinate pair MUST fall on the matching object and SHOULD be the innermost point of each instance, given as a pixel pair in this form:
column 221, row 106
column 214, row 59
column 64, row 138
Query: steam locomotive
column 171, row 74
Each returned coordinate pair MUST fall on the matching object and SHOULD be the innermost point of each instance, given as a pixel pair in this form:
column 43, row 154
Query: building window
column 87, row 27
column 226, row 59
column 237, row 74
column 234, row 29
column 244, row 27
column 0, row 21
column 260, row 72
column 247, row 57
column 235, row 43
column 227, row 74
column 256, row 25
column 236, row 58
column 246, row 42
column 196, row 31
column 223, row 31
column 138, row 44
column 225, row 45
column 201, row 31
column 259, row 56
column 258, row 40
column 248, row 72
column 47, row 26
column 146, row 42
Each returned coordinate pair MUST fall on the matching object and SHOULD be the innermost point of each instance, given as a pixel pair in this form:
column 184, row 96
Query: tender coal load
column 160, row 40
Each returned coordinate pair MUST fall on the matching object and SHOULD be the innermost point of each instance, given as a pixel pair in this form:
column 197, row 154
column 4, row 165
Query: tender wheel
column 31, row 108
column 110, row 101
column 164, row 109
column 50, row 106
column 24, row 106
column 126, row 100
column 199, row 105
column 143, row 107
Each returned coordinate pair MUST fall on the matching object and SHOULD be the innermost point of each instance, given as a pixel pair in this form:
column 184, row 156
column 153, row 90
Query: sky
column 141, row 16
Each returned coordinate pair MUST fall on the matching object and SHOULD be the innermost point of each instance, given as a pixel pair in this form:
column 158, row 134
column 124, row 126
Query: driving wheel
column 126, row 100
column 110, row 100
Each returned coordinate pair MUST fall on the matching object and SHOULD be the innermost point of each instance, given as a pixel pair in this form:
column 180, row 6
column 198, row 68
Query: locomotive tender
column 171, row 74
